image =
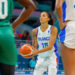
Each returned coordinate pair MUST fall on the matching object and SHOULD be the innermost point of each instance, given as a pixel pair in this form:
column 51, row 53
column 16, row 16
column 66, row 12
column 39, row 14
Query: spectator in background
column 20, row 35
column 26, row 36
column 16, row 35
column 32, row 63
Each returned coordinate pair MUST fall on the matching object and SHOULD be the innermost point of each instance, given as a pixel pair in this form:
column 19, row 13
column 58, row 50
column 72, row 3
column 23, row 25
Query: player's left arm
column 29, row 7
column 51, row 41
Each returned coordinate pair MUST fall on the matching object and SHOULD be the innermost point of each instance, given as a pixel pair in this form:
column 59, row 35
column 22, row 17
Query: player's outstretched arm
column 29, row 7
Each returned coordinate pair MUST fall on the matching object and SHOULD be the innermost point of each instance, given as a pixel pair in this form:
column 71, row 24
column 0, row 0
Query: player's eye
column 43, row 15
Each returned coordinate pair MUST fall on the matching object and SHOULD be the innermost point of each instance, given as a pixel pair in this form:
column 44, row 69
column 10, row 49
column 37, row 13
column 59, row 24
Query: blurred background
column 23, row 35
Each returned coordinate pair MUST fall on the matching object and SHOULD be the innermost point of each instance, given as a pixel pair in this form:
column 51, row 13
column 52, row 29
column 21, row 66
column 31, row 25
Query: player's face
column 44, row 17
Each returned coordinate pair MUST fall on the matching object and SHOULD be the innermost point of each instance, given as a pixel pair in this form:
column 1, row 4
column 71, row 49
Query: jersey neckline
column 45, row 30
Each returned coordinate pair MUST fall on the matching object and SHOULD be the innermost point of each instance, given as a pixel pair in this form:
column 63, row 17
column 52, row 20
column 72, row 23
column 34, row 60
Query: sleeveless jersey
column 43, row 41
column 68, row 10
column 6, row 8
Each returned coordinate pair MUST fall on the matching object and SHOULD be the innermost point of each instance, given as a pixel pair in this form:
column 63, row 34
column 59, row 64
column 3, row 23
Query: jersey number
column 3, row 9
column 44, row 45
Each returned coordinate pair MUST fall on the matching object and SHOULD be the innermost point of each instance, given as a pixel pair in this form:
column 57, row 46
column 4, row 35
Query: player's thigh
column 68, row 58
column 67, row 54
column 8, row 46
column 40, row 67
column 52, row 71
column 39, row 71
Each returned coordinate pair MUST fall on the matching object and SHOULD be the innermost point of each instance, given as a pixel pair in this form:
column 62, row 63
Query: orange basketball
column 26, row 50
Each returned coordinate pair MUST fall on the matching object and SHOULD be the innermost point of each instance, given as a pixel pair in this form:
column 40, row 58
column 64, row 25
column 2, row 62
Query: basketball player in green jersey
column 8, row 52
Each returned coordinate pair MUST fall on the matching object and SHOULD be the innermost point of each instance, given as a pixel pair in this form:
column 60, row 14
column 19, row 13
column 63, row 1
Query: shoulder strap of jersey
column 37, row 30
column 51, row 27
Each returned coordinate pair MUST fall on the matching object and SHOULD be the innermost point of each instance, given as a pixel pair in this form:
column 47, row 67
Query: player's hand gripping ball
column 26, row 51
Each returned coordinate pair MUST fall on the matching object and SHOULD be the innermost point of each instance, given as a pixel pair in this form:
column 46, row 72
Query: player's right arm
column 59, row 13
column 58, row 8
column 34, row 38
column 29, row 7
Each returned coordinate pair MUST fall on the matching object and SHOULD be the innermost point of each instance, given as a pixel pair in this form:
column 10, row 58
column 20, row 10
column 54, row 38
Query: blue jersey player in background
column 66, row 12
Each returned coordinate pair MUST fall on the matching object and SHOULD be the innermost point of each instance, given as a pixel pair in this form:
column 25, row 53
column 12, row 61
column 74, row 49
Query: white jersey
column 43, row 41
column 69, row 10
column 45, row 60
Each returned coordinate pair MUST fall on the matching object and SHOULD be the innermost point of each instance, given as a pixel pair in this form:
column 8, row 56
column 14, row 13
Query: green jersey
column 6, row 8
column 8, row 52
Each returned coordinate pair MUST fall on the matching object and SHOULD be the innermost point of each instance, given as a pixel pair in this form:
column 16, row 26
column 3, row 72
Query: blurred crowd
column 22, row 36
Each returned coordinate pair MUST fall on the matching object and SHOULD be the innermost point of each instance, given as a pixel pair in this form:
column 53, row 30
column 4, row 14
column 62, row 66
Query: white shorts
column 46, row 63
column 67, row 35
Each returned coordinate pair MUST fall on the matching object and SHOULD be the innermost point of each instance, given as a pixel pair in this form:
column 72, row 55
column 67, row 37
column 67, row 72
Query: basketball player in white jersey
column 44, row 37
column 66, row 12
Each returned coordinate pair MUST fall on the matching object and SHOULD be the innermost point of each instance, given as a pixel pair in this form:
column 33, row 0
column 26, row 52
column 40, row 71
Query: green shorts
column 8, row 51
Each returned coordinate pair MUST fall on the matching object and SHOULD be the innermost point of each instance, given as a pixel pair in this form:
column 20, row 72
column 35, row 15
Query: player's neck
column 44, row 26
